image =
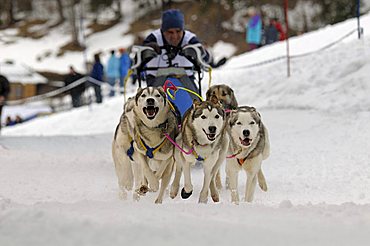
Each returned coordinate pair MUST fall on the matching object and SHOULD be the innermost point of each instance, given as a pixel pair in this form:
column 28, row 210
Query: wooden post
column 287, row 36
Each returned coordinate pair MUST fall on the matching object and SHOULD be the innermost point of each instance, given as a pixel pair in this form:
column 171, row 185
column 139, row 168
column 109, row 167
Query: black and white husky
column 204, row 138
column 140, row 141
column 249, row 146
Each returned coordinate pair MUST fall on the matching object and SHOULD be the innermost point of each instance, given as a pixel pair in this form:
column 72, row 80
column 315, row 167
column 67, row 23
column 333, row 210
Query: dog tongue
column 245, row 141
column 150, row 111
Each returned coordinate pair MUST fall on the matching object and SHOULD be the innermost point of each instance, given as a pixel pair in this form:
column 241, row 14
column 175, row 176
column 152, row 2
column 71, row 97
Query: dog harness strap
column 197, row 157
column 151, row 151
column 131, row 150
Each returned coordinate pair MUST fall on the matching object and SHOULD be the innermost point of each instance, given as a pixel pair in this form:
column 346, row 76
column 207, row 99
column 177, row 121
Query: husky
column 151, row 117
column 224, row 94
column 204, row 138
column 249, row 146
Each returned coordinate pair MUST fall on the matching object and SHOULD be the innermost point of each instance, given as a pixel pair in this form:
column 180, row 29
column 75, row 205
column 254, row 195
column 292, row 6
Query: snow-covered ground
column 58, row 185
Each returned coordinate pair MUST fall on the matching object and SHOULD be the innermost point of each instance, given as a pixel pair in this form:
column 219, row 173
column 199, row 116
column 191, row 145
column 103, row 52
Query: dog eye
column 203, row 117
column 252, row 123
column 157, row 95
column 223, row 94
column 238, row 123
column 143, row 95
column 217, row 116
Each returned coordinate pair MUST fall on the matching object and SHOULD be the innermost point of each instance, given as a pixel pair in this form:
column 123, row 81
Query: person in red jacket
column 279, row 28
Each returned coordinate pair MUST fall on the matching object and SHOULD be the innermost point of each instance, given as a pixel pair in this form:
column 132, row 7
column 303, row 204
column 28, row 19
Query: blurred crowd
column 262, row 31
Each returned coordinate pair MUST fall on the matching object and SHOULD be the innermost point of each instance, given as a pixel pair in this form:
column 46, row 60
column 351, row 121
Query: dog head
column 151, row 104
column 224, row 94
column 245, row 124
column 208, row 120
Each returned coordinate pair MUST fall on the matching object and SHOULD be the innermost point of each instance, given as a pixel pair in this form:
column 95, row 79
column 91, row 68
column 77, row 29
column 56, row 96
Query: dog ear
column 196, row 102
column 138, row 94
column 233, row 117
column 208, row 93
column 163, row 94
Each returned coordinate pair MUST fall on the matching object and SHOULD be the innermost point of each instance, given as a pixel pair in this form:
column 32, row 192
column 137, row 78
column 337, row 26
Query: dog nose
column 212, row 129
column 246, row 133
column 150, row 101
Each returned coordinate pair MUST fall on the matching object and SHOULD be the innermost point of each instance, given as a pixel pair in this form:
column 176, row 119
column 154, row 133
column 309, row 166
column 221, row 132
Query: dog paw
column 184, row 194
column 215, row 198
column 174, row 191
column 135, row 196
column 142, row 190
column 122, row 194
column 203, row 200
column 158, row 201
column 263, row 186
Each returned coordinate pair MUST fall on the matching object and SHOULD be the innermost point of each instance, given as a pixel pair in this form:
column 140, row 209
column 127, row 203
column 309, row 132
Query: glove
column 155, row 46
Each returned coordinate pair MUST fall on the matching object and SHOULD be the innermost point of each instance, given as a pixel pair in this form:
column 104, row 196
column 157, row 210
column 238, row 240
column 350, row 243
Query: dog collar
column 234, row 155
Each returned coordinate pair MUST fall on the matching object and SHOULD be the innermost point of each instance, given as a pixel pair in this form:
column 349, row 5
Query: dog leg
column 218, row 180
column 250, row 186
column 203, row 198
column 176, row 181
column 213, row 188
column 233, row 178
column 123, row 169
column 148, row 173
column 165, row 181
column 188, row 187
column 261, row 180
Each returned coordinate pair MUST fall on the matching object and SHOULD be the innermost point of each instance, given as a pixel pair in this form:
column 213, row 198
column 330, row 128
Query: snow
column 58, row 185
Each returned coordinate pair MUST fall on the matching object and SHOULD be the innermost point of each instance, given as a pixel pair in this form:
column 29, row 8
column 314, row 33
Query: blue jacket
column 97, row 71
column 125, row 64
column 254, row 30
column 113, row 67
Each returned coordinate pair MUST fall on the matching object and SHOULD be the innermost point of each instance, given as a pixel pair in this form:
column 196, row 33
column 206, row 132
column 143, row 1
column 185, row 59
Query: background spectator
column 125, row 64
column 97, row 73
column 254, row 29
column 271, row 33
column 4, row 91
column 75, row 92
column 113, row 71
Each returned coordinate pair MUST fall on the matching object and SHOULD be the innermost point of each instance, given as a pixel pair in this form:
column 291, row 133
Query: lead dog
column 204, row 138
column 249, row 146
column 148, row 147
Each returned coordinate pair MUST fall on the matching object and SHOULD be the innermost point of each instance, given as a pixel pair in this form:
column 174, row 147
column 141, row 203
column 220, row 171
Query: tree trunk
column 118, row 13
column 74, row 24
column 60, row 11
column 9, row 10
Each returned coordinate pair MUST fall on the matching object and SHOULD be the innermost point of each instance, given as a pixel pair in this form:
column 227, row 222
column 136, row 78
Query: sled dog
column 226, row 97
column 224, row 94
column 150, row 150
column 249, row 146
column 204, row 138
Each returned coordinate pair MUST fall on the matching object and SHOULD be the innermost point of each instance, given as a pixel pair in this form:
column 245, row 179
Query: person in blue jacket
column 254, row 29
column 113, row 71
column 97, row 73
column 125, row 64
